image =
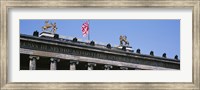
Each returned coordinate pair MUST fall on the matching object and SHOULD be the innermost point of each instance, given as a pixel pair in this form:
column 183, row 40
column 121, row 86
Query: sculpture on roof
column 54, row 28
column 48, row 26
column 123, row 39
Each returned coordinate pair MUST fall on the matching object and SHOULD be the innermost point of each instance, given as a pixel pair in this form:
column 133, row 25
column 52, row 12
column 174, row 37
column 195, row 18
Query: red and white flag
column 85, row 28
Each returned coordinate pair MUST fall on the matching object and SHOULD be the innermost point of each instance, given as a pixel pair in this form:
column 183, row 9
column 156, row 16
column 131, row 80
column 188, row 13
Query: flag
column 85, row 28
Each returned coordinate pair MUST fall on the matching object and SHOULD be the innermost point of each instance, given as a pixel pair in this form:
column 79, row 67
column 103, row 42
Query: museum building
column 43, row 52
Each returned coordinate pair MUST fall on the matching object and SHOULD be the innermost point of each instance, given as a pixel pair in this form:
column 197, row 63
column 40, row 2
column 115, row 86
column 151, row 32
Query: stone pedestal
column 127, row 48
column 32, row 62
column 47, row 34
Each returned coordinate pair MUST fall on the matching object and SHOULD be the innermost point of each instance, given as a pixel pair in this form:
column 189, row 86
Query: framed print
column 119, row 44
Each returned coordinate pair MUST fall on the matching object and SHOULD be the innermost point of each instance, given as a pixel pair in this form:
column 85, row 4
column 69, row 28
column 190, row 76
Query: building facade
column 45, row 53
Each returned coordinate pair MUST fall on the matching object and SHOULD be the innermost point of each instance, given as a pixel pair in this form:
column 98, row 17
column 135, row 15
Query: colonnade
column 72, row 66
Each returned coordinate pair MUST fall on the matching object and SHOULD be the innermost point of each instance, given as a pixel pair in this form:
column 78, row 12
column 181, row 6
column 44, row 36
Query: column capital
column 108, row 67
column 36, row 57
column 73, row 62
column 92, row 64
column 123, row 68
column 55, row 59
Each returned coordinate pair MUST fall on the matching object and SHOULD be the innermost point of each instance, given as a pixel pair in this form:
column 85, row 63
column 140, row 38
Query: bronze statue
column 47, row 26
column 123, row 39
column 54, row 28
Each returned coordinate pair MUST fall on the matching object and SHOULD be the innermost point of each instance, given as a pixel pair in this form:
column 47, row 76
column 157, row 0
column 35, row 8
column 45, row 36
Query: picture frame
column 6, row 5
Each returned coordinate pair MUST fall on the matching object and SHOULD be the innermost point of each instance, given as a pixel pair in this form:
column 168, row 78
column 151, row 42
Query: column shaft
column 91, row 66
column 32, row 64
column 72, row 67
column 53, row 65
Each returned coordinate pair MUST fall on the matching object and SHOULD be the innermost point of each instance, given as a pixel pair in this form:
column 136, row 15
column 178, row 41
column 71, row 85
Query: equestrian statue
column 47, row 26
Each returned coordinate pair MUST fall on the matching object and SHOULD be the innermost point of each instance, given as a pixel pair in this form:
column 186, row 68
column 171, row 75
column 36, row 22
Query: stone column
column 91, row 66
column 73, row 65
column 123, row 68
column 32, row 62
column 107, row 67
column 53, row 65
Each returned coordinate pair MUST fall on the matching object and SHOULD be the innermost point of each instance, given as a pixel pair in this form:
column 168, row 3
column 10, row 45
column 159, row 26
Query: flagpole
column 88, row 31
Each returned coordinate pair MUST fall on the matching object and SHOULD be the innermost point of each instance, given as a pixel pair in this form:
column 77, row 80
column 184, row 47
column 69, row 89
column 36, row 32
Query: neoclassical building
column 46, row 53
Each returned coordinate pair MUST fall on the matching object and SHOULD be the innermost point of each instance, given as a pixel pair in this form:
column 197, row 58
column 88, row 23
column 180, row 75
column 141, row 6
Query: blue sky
column 160, row 36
